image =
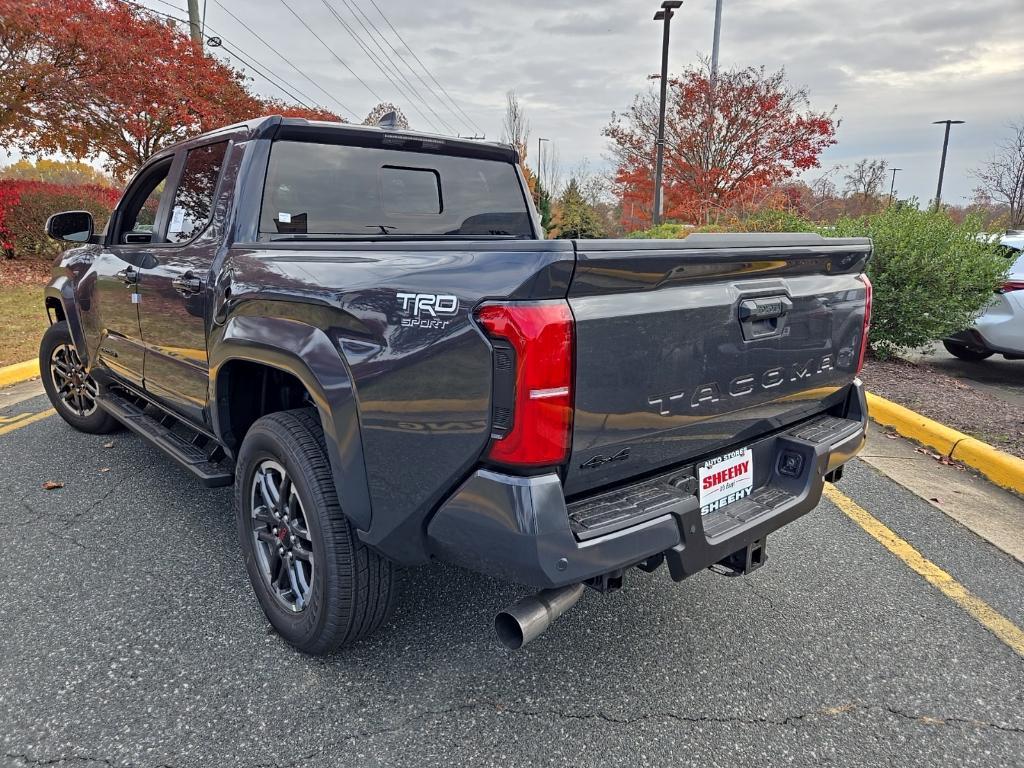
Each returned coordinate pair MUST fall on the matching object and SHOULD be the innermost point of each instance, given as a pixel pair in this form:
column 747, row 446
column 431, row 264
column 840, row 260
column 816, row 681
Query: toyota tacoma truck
column 364, row 331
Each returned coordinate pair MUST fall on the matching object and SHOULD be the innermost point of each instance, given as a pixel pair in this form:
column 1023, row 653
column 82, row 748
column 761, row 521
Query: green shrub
column 772, row 220
column 931, row 277
column 662, row 232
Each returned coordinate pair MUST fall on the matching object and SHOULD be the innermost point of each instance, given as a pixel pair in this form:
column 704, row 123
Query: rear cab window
column 331, row 190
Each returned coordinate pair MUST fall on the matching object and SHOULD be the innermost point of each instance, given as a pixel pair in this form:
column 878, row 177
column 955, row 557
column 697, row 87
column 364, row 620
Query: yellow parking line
column 30, row 418
column 983, row 613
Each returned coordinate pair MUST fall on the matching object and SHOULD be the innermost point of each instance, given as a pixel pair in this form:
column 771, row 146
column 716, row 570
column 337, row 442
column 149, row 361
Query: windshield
column 331, row 190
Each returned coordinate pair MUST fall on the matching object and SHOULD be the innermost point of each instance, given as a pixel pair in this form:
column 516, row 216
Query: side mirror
column 71, row 226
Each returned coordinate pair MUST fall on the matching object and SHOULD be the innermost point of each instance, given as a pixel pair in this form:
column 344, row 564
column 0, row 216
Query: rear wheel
column 318, row 584
column 966, row 353
column 73, row 393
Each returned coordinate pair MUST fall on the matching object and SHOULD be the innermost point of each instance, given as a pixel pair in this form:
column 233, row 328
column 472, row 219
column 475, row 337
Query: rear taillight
column 1011, row 285
column 533, row 353
column 867, row 321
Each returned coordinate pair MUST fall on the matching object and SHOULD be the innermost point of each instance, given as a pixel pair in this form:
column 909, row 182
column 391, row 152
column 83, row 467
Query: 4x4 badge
column 597, row 461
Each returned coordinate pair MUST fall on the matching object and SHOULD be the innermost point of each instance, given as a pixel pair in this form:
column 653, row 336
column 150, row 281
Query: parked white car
column 1000, row 330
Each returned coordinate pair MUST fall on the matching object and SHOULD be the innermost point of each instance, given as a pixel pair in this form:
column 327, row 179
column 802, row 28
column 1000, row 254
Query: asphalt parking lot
column 129, row 636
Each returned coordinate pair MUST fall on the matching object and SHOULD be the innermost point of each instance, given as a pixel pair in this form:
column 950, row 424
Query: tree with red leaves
column 723, row 147
column 104, row 80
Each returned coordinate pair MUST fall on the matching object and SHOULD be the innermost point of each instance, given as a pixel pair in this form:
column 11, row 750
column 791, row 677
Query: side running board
column 168, row 434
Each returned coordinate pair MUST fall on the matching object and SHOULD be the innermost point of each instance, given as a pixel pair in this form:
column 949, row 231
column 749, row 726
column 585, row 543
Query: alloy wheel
column 281, row 537
column 75, row 388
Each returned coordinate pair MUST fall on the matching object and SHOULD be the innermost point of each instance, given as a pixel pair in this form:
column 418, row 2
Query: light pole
column 665, row 15
column 942, row 164
column 540, row 158
column 892, row 186
column 714, row 45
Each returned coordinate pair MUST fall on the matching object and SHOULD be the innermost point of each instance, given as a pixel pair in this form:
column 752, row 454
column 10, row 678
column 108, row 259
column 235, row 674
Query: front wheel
column 73, row 393
column 318, row 584
column 966, row 353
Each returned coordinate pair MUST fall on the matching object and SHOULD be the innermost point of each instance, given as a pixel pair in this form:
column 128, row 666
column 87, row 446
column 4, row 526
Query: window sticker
column 177, row 219
column 284, row 218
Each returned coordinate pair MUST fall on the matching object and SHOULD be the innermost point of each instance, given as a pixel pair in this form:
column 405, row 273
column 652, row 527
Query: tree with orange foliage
column 110, row 81
column 723, row 147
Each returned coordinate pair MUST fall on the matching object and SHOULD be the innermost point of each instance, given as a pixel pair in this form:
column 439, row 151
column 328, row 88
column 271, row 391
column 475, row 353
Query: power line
column 269, row 76
column 424, row 66
column 356, row 12
column 247, row 59
column 402, row 85
column 285, row 59
column 330, row 50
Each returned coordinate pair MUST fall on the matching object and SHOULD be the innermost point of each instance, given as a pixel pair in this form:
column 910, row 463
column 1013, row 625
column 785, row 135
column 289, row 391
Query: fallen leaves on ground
column 52, row 485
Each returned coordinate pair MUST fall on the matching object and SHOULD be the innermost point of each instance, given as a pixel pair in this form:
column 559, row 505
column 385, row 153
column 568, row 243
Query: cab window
column 192, row 207
column 136, row 223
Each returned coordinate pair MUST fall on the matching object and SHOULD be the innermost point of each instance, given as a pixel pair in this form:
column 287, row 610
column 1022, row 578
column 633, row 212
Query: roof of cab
column 377, row 135
column 278, row 127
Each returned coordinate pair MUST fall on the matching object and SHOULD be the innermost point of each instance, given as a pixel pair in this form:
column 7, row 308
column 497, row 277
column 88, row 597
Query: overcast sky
column 890, row 66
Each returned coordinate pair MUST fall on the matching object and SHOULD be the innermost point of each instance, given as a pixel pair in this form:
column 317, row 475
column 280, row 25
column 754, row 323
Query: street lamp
column 892, row 187
column 665, row 15
column 540, row 158
column 942, row 164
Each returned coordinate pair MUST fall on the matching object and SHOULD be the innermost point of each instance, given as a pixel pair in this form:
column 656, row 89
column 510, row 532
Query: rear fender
column 307, row 353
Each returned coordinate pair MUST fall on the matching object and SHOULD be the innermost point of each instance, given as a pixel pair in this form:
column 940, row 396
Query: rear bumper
column 520, row 528
column 1000, row 328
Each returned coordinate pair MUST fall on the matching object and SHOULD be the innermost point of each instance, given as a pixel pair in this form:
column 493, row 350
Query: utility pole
column 540, row 160
column 715, row 44
column 195, row 23
column 892, row 187
column 664, row 15
column 942, row 164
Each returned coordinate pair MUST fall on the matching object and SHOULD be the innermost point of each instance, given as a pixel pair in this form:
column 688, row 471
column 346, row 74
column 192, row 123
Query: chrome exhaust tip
column 531, row 616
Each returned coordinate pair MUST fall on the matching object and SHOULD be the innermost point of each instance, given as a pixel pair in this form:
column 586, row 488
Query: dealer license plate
column 725, row 479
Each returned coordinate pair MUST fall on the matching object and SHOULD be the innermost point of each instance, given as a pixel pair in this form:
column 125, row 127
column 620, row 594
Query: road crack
column 792, row 720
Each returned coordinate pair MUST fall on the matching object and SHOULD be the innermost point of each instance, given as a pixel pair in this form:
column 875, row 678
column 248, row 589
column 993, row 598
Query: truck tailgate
column 684, row 347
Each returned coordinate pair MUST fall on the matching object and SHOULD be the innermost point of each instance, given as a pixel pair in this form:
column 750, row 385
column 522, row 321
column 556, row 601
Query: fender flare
column 62, row 290
column 307, row 353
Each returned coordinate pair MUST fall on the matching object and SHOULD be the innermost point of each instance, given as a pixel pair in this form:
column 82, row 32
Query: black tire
column 966, row 353
column 74, row 396
column 351, row 589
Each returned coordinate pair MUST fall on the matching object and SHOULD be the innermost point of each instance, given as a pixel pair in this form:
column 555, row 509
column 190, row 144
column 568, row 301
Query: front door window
column 137, row 223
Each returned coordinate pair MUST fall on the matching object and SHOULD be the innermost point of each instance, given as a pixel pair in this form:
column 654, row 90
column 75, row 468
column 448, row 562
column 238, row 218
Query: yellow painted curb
column 913, row 425
column 12, row 374
column 1001, row 468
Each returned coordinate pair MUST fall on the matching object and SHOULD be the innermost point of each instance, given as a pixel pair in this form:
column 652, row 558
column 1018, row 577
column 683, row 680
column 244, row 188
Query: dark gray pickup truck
column 365, row 332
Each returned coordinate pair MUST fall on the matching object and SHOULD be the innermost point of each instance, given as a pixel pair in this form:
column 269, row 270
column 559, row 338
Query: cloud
column 890, row 67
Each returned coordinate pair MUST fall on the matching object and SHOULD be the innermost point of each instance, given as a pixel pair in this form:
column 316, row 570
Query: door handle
column 764, row 317
column 764, row 308
column 128, row 276
column 187, row 284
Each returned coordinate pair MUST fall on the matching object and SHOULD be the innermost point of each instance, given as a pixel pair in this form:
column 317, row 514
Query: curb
column 13, row 374
column 1001, row 468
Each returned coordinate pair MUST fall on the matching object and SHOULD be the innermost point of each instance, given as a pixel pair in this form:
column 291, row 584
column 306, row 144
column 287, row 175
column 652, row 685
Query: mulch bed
column 948, row 401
